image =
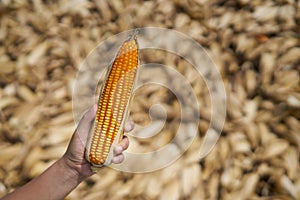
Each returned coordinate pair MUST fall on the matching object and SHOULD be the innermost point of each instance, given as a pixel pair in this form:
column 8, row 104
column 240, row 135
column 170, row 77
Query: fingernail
column 118, row 159
column 129, row 125
column 115, row 160
column 119, row 149
column 95, row 108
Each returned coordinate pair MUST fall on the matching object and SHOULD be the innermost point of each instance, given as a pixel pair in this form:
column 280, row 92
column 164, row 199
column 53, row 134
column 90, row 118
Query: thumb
column 85, row 123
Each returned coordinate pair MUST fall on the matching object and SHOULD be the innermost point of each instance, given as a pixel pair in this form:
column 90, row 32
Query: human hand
column 74, row 156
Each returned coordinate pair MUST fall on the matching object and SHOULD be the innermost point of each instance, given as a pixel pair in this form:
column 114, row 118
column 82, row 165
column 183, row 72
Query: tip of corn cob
column 133, row 35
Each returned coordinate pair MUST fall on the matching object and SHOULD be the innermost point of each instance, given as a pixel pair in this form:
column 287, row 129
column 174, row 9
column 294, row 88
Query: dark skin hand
column 71, row 169
column 74, row 155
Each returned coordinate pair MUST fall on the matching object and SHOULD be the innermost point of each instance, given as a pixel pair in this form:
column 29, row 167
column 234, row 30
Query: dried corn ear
column 113, row 104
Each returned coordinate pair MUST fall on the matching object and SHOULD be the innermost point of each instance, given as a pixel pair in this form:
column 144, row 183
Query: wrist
column 71, row 169
column 80, row 169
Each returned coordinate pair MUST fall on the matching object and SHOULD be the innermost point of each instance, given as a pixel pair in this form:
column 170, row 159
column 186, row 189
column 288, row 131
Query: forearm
column 70, row 170
column 53, row 184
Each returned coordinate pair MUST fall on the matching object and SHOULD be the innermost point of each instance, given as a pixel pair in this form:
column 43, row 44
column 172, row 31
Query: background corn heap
column 256, row 45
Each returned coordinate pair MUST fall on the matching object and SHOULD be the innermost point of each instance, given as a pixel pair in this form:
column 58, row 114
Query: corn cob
column 113, row 105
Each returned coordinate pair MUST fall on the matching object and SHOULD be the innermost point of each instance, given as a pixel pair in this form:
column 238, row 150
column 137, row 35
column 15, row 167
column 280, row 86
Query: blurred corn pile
column 256, row 45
